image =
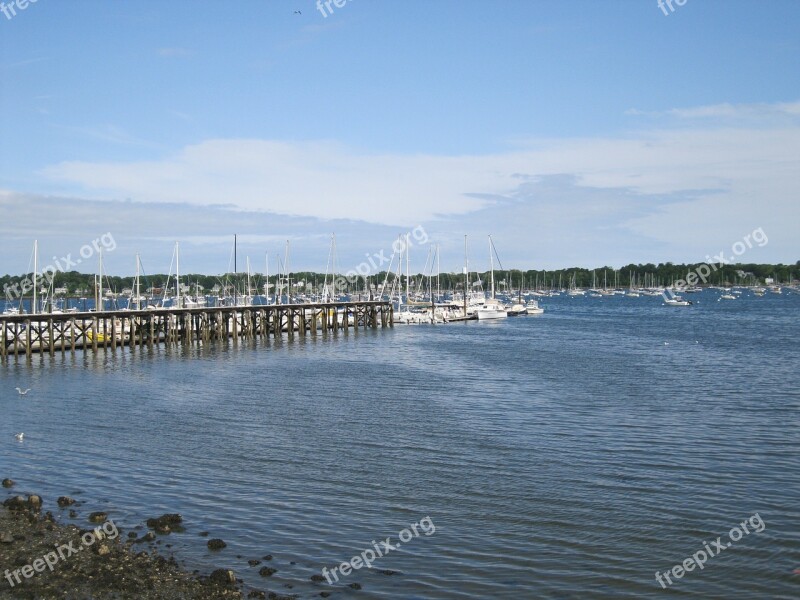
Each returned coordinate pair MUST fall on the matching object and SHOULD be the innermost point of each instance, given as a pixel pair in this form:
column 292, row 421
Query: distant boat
column 677, row 301
column 492, row 308
column 727, row 297
column 516, row 310
column 533, row 308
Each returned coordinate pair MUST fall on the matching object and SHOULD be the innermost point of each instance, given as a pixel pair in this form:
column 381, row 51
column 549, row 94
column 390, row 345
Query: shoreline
column 42, row 558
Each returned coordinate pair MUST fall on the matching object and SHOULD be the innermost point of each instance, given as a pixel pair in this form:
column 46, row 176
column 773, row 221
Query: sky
column 575, row 133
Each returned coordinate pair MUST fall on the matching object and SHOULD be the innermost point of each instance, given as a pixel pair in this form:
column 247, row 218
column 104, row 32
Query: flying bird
column 21, row 392
column 19, row 436
column 297, row 12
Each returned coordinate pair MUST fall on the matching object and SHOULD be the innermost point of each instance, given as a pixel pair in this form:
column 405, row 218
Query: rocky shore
column 43, row 559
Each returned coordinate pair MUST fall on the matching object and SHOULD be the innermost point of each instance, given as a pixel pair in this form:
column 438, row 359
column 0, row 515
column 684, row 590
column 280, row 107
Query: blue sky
column 576, row 133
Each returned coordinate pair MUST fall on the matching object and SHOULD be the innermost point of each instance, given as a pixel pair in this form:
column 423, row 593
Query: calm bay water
column 570, row 455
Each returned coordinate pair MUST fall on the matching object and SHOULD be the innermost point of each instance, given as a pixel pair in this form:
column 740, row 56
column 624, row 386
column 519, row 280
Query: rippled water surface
column 570, row 455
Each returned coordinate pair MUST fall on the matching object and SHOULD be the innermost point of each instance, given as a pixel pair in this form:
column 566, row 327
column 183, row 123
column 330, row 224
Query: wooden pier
column 51, row 333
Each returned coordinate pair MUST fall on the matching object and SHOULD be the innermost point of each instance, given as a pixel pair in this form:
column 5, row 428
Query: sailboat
column 492, row 308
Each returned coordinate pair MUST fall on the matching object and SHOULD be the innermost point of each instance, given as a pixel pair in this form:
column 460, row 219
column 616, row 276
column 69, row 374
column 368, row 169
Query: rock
column 98, row 517
column 103, row 549
column 253, row 562
column 274, row 596
column 267, row 557
column 165, row 521
column 148, row 537
column 317, row 578
column 163, row 529
column 73, row 514
column 355, row 586
column 64, row 501
column 6, row 538
column 16, row 503
column 216, row 544
column 387, row 572
column 203, row 534
column 7, row 483
column 257, row 594
column 223, row 577
column 324, row 594
column 132, row 535
column 267, row 571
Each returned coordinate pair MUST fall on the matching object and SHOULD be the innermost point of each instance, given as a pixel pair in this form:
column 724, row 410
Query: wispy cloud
column 726, row 111
column 675, row 193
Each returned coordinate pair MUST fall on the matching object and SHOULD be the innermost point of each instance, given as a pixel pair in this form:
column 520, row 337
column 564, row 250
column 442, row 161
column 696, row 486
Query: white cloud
column 685, row 190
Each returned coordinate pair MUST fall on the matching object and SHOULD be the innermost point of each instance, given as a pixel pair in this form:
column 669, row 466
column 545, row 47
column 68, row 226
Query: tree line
column 74, row 283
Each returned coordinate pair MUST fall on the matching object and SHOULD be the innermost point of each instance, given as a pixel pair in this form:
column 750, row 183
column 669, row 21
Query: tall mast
column 177, row 275
column 438, row 272
column 408, row 272
column 286, row 269
column 491, row 263
column 100, row 286
column 266, row 285
column 247, row 295
column 35, row 274
column 138, row 296
column 466, row 275
column 235, row 271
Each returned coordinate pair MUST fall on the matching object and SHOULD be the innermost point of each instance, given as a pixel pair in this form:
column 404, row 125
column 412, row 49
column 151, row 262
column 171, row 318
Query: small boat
column 677, row 301
column 533, row 308
column 727, row 297
column 491, row 309
column 516, row 310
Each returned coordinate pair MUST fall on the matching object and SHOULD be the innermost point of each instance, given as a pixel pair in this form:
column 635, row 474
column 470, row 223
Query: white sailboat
column 492, row 308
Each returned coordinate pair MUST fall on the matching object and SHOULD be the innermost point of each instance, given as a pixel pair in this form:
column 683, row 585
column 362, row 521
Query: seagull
column 19, row 436
column 22, row 393
column 297, row 12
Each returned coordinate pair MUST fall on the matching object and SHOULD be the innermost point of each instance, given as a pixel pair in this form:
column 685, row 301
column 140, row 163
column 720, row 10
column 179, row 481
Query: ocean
column 569, row 455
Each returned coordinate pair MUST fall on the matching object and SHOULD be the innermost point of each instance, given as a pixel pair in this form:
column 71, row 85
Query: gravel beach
column 41, row 558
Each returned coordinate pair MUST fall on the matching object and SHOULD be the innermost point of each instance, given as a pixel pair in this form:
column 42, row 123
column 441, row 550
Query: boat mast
column 408, row 273
column 466, row 275
column 491, row 263
column 177, row 275
column 286, row 269
column 266, row 285
column 235, row 272
column 35, row 274
column 138, row 295
column 99, row 305
column 438, row 273
column 247, row 295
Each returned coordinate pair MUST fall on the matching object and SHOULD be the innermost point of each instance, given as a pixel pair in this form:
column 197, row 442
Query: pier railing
column 24, row 335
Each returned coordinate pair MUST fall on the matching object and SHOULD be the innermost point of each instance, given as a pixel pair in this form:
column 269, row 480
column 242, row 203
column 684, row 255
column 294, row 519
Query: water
column 571, row 455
